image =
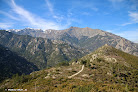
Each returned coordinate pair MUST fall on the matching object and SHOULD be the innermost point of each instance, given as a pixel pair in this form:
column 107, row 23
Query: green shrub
column 65, row 63
column 115, row 75
column 86, row 88
column 83, row 62
column 99, row 59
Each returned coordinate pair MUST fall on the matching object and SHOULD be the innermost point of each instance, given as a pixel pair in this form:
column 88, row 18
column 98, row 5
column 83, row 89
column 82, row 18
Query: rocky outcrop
column 86, row 38
column 40, row 51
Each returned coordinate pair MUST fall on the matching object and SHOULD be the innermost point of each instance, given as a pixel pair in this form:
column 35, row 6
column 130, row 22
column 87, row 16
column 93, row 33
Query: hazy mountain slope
column 11, row 63
column 106, row 69
column 94, row 38
column 29, row 31
column 40, row 51
column 86, row 38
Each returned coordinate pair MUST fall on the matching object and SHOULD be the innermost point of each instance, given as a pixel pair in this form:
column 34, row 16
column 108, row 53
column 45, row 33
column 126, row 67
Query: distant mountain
column 40, row 51
column 105, row 70
column 86, row 38
column 11, row 63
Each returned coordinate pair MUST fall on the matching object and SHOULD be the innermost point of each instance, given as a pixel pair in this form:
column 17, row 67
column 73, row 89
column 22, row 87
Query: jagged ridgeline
column 86, row 38
column 41, row 52
column 106, row 70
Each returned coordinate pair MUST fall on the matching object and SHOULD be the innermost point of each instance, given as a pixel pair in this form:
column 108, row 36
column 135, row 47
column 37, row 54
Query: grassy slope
column 60, row 83
column 98, row 75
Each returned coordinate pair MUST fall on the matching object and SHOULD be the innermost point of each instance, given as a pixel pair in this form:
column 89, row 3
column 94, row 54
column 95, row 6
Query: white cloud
column 133, row 18
column 130, row 35
column 5, row 25
column 9, row 15
column 128, row 23
column 59, row 17
column 30, row 19
column 50, row 6
column 51, row 9
column 136, row 40
column 109, row 30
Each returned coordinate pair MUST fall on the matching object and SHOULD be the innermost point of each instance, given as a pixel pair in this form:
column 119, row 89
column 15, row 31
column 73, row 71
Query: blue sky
column 116, row 16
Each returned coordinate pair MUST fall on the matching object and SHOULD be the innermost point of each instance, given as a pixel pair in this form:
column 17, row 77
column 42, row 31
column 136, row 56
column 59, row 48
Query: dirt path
column 77, row 72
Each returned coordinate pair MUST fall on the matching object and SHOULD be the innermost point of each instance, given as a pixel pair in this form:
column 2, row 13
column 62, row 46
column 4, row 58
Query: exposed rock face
column 86, row 38
column 40, row 51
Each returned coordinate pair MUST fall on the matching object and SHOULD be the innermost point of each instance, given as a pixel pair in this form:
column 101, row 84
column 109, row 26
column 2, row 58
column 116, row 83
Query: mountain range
column 85, row 38
column 106, row 69
column 74, row 60
column 41, row 52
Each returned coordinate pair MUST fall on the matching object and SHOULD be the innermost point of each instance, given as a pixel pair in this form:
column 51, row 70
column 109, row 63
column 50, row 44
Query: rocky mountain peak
column 87, row 28
column 73, row 27
column 86, row 38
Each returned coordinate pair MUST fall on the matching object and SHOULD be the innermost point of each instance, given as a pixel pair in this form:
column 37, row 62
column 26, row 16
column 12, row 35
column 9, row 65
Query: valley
column 68, row 45
column 67, row 64
column 105, row 69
